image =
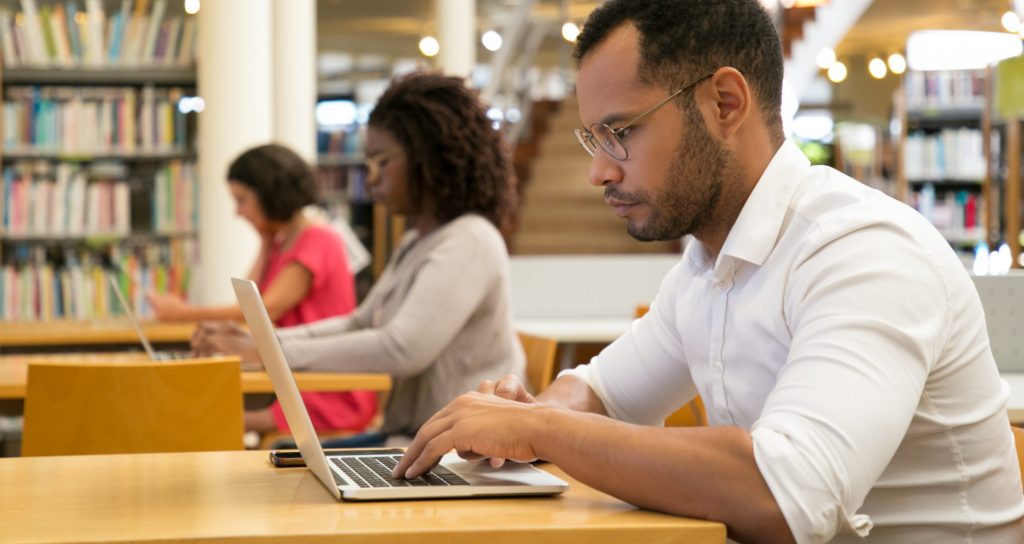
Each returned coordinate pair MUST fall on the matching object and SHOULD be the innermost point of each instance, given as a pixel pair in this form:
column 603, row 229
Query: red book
column 971, row 211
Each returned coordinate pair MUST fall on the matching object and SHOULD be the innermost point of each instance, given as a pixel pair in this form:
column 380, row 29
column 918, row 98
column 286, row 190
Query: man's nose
column 604, row 169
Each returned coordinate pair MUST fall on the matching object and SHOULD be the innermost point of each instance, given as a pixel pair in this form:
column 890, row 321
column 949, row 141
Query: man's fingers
column 486, row 387
column 429, row 456
column 497, row 462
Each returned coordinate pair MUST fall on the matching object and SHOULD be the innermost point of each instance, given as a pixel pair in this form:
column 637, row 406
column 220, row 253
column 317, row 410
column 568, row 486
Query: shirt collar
column 759, row 225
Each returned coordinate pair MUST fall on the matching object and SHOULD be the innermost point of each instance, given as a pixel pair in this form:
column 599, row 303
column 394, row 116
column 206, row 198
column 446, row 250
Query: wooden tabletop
column 86, row 333
column 14, row 374
column 240, row 497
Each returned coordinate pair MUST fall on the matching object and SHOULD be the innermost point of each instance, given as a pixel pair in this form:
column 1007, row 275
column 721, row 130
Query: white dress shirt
column 839, row 327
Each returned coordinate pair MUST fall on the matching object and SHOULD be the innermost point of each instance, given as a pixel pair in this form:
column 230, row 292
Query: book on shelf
column 951, row 154
column 91, row 120
column 44, row 200
column 938, row 90
column 72, row 284
column 956, row 214
column 56, row 34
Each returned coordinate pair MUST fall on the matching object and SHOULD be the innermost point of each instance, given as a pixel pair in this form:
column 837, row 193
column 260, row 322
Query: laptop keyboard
column 375, row 471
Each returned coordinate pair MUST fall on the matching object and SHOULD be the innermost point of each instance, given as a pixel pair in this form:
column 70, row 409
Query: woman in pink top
column 301, row 269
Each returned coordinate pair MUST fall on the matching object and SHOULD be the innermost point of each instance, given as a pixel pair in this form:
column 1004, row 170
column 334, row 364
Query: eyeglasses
column 608, row 139
column 374, row 163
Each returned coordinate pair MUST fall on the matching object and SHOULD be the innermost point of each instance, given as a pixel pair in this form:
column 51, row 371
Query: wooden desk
column 89, row 333
column 14, row 374
column 224, row 496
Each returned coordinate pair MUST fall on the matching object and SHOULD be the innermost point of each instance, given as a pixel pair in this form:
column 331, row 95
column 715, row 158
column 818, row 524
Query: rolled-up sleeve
column 864, row 341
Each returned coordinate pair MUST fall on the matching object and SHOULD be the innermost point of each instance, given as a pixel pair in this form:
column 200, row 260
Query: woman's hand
column 224, row 338
column 168, row 306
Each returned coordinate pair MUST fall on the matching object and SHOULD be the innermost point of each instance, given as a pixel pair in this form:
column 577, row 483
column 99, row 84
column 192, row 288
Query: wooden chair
column 1018, row 438
column 540, row 361
column 692, row 414
column 140, row 407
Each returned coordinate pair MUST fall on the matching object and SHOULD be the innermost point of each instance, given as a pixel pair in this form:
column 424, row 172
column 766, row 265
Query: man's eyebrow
column 614, row 118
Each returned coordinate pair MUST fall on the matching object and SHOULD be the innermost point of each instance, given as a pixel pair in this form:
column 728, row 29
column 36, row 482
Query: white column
column 234, row 52
column 456, row 32
column 295, row 76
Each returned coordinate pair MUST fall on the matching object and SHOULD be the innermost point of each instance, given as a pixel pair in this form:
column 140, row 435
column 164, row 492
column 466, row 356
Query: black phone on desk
column 293, row 458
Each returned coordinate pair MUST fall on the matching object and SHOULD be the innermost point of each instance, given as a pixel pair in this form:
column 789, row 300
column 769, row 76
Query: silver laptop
column 367, row 476
column 1002, row 297
column 146, row 345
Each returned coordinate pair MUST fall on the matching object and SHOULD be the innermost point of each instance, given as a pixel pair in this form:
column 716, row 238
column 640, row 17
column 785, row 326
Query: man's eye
column 624, row 132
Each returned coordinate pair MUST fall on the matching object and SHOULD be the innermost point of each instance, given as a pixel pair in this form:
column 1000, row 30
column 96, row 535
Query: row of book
column 949, row 154
column 67, row 199
column 88, row 120
column 34, row 286
column 60, row 34
column 957, row 214
column 945, row 89
column 175, row 198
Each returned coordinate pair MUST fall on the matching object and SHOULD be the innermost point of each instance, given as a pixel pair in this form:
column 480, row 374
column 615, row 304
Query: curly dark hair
column 283, row 182
column 681, row 40
column 454, row 155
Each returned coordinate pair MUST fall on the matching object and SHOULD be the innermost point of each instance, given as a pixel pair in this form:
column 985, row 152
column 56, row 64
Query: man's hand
column 476, row 425
column 224, row 338
column 509, row 388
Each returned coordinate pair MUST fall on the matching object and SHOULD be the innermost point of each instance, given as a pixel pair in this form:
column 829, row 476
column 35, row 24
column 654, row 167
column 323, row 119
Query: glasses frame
column 583, row 136
column 375, row 163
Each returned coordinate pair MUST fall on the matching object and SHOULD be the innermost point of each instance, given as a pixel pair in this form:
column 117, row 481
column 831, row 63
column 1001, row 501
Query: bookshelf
column 945, row 146
column 97, row 162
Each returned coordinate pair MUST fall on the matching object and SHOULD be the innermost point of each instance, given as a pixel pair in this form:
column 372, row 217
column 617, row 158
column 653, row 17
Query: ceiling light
column 959, row 49
column 191, row 7
column 429, row 46
column 897, row 63
column 877, row 68
column 837, row 72
column 825, row 58
column 570, row 31
column 1011, row 22
column 491, row 40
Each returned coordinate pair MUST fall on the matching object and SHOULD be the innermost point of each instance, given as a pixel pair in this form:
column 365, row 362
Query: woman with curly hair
column 438, row 319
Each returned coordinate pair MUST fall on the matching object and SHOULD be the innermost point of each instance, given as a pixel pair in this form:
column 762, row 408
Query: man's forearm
column 699, row 472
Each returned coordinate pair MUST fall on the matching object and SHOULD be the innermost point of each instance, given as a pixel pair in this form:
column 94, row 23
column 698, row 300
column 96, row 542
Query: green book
column 45, row 13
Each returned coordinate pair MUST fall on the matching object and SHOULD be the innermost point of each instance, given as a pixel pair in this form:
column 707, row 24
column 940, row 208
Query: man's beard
column 691, row 191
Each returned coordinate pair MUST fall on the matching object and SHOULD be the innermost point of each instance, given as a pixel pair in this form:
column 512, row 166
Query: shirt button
column 717, row 366
column 720, row 286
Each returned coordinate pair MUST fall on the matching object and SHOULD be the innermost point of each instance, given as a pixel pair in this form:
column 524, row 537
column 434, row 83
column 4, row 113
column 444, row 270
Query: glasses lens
column 608, row 141
column 586, row 140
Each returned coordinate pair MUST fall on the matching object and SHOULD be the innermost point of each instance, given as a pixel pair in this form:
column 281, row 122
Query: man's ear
column 732, row 102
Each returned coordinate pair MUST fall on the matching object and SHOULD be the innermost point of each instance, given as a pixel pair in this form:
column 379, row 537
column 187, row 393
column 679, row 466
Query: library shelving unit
column 945, row 146
column 97, row 157
column 1007, row 172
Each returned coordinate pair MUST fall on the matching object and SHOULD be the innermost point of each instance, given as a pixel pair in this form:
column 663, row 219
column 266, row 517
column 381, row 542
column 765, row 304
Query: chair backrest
column 77, row 408
column 1018, row 438
column 540, row 360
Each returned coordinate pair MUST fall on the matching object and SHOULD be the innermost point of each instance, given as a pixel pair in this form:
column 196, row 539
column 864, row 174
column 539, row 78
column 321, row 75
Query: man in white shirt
column 838, row 343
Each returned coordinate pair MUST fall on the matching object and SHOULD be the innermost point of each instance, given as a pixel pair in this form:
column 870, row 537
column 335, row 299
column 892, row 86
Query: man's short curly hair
column 454, row 155
column 282, row 181
column 680, row 40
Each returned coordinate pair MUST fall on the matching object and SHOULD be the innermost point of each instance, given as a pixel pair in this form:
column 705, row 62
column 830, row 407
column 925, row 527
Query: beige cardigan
column 438, row 320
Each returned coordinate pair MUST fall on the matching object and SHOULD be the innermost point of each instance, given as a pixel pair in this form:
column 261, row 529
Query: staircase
column 825, row 27
column 560, row 212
